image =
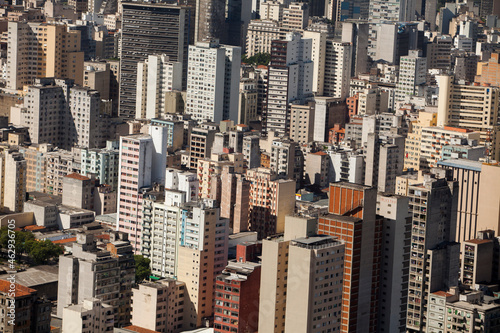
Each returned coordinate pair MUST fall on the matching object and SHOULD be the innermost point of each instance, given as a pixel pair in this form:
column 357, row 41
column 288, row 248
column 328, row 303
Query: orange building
column 352, row 218
column 352, row 105
column 489, row 72
column 336, row 134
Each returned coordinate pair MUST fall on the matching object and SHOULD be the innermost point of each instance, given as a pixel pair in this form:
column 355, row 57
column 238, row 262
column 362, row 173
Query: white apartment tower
column 412, row 75
column 209, row 65
column 156, row 76
column 290, row 79
column 338, row 60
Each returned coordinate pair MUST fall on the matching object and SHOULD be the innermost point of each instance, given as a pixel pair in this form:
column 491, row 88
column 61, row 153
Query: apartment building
column 271, row 199
column 235, row 199
column 412, row 75
column 414, row 139
column 489, row 71
column 210, row 172
column 102, row 163
column 210, row 20
column 13, row 169
column 210, row 64
column 91, row 313
column 338, row 60
column 260, row 34
column 156, row 76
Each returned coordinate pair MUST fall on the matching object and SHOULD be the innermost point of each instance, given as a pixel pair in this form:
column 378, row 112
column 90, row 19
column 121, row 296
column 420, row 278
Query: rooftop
column 461, row 164
column 133, row 328
column 36, row 276
column 21, row 290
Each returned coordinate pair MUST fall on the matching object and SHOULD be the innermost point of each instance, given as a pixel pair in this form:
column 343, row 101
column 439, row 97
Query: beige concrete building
column 247, row 106
column 12, row 181
column 159, row 306
column 271, row 199
column 57, row 49
column 92, row 312
column 295, row 17
column 477, row 260
column 317, row 168
column 302, row 119
column 260, row 34
column 97, row 76
column 474, row 107
column 318, row 59
column 489, row 198
column 414, row 138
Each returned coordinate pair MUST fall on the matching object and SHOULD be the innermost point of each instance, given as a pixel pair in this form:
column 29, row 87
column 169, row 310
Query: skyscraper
column 412, row 75
column 210, row 20
column 150, row 29
column 337, row 69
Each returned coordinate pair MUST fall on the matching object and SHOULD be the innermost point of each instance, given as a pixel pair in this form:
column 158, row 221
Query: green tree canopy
column 142, row 268
column 257, row 59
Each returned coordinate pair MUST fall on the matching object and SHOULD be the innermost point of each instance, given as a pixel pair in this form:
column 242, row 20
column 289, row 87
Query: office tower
column 32, row 311
column 318, row 58
column 384, row 160
column 290, row 63
column 395, row 260
column 159, row 306
column 78, row 191
column 439, row 52
column 414, row 139
column 13, row 181
column 156, row 76
column 356, row 33
column 91, row 313
column 478, row 260
column 271, row 199
column 488, row 209
column 412, row 75
column 201, row 258
column 55, row 59
column 102, row 163
column 236, row 290
column 395, row 11
column 288, row 294
column 150, row 29
column 338, row 59
column 213, row 81
column 210, row 20
column 136, row 158
column 489, row 72
column 479, row 103
column 433, row 205
column 235, row 198
column 93, row 273
column 468, row 176
column 352, row 218
column 260, row 35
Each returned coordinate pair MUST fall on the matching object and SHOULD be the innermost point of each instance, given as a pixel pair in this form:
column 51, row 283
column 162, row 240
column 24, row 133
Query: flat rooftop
column 461, row 164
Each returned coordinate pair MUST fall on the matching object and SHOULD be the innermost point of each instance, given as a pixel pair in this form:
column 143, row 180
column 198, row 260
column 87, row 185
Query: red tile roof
column 77, row 176
column 64, row 241
column 139, row 329
column 442, row 293
column 33, row 227
column 20, row 289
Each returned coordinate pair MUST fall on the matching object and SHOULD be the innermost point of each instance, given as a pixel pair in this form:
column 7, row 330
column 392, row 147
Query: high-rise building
column 136, row 158
column 295, row 17
column 271, row 199
column 78, row 191
column 439, row 52
column 489, row 72
column 394, row 10
column 289, row 294
column 213, row 81
column 12, row 181
column 478, row 260
column 434, row 255
column 55, row 59
column 414, row 139
column 236, row 299
column 156, row 76
column 318, row 57
column 260, row 35
column 412, row 75
column 102, row 163
column 93, row 273
column 356, row 33
column 488, row 209
column 235, row 199
column 210, row 20
column 395, row 260
column 468, row 175
column 471, row 107
column 338, row 69
column 159, row 306
column 290, row 63
column 352, row 218
column 150, row 29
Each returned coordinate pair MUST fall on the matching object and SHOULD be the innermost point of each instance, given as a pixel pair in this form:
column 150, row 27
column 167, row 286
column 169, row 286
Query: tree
column 257, row 59
column 20, row 240
column 42, row 251
column 142, row 268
